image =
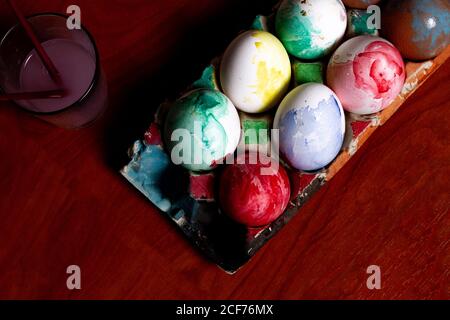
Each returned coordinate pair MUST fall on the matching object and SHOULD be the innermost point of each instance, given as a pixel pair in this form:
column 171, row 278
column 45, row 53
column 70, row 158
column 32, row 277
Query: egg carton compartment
column 190, row 199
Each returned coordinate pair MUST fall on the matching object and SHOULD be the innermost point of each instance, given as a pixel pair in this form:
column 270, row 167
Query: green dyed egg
column 200, row 129
column 310, row 29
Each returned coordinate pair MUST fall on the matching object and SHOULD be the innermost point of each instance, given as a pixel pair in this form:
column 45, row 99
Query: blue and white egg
column 311, row 125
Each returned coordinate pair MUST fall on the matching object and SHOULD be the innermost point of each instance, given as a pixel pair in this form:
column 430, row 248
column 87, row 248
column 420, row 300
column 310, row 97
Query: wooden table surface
column 63, row 201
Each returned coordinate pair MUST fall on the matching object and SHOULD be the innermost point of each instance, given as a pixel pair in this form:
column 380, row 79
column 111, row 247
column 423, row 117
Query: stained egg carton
column 189, row 198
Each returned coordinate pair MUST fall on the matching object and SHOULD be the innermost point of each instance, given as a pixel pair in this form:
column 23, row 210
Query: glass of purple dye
column 76, row 57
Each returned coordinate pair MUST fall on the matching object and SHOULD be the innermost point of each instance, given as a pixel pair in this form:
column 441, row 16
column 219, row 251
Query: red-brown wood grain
column 62, row 201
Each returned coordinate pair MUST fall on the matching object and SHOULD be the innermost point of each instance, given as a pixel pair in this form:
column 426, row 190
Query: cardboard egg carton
column 189, row 199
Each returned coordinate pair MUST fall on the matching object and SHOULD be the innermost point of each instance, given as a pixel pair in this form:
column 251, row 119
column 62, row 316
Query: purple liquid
column 75, row 65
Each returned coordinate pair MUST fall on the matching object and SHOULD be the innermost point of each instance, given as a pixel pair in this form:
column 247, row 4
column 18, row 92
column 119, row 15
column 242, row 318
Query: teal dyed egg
column 310, row 29
column 200, row 129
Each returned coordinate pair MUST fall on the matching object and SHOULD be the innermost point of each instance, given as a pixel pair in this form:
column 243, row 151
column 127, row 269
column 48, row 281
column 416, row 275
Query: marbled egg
column 255, row 71
column 360, row 4
column 311, row 125
column 420, row 29
column 201, row 128
column 252, row 193
column 366, row 73
column 310, row 29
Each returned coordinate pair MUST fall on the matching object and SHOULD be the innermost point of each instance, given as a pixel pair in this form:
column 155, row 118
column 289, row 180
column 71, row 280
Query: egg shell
column 360, row 4
column 419, row 28
column 251, row 196
column 366, row 73
column 211, row 124
column 310, row 29
column 311, row 125
column 255, row 71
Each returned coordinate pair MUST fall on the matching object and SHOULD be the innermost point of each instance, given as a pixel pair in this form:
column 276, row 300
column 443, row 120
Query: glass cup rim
column 97, row 71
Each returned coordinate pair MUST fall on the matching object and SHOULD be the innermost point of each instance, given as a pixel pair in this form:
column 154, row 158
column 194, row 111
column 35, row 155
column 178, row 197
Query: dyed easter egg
column 309, row 29
column 420, row 29
column 366, row 73
column 201, row 128
column 360, row 4
column 255, row 71
column 253, row 196
column 311, row 125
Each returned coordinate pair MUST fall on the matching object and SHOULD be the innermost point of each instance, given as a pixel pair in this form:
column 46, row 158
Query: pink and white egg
column 367, row 73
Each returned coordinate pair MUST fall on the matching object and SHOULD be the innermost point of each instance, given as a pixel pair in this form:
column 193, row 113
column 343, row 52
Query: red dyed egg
column 420, row 29
column 254, row 194
column 367, row 73
column 360, row 4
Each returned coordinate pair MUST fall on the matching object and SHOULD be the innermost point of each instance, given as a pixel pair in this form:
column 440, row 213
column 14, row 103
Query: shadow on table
column 131, row 113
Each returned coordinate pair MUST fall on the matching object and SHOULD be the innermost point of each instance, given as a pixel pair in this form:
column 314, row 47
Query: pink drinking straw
column 52, row 94
column 36, row 43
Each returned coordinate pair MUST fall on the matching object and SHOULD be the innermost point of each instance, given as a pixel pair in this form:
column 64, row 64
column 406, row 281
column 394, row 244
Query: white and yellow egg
column 255, row 71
